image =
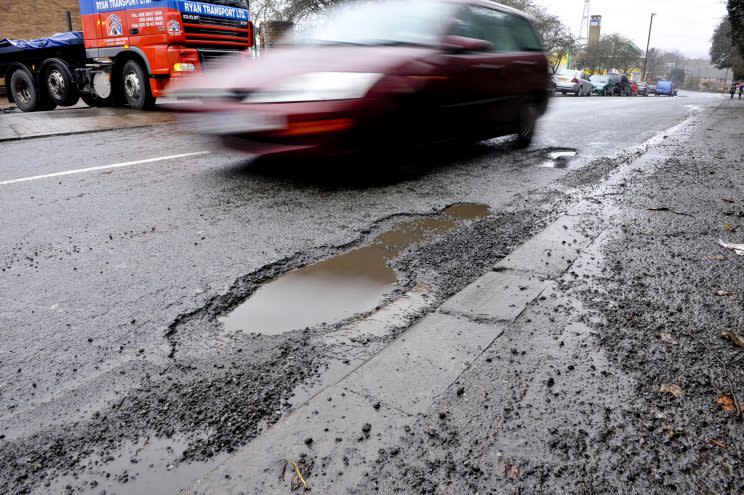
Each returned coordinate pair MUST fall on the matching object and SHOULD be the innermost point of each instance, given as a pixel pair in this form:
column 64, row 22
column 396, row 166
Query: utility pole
column 648, row 43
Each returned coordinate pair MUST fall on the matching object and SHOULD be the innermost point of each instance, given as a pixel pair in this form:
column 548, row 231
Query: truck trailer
column 127, row 53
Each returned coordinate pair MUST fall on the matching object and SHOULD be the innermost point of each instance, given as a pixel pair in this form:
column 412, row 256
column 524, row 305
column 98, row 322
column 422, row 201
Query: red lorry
column 127, row 53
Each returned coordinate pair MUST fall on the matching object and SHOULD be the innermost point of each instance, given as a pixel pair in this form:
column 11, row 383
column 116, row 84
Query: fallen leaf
column 718, row 258
column 717, row 443
column 669, row 430
column 735, row 338
column 724, row 293
column 726, row 403
column 729, row 226
column 675, row 390
column 667, row 337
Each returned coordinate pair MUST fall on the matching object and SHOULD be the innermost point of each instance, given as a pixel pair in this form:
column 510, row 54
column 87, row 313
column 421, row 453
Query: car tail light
column 574, row 80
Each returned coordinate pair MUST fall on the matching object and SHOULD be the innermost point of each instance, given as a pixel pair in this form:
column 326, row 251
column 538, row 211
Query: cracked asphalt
column 112, row 280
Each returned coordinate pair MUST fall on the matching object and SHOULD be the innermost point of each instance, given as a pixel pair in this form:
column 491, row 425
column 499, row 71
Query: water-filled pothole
column 558, row 158
column 334, row 289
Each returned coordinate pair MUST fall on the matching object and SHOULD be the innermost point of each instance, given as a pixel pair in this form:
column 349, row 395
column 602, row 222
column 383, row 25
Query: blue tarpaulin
column 54, row 41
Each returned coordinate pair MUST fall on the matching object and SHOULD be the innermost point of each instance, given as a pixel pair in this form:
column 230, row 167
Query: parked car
column 666, row 88
column 652, row 89
column 622, row 85
column 633, row 88
column 643, row 89
column 572, row 81
column 602, row 84
column 380, row 76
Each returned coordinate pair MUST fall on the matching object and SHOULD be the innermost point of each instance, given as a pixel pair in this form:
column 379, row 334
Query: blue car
column 666, row 88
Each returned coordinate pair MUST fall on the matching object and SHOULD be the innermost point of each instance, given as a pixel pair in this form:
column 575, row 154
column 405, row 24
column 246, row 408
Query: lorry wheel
column 24, row 91
column 136, row 86
column 60, row 85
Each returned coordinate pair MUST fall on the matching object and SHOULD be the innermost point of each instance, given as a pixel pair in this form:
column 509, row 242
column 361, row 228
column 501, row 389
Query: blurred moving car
column 666, row 88
column 602, row 84
column 643, row 89
column 622, row 85
column 572, row 81
column 633, row 88
column 380, row 76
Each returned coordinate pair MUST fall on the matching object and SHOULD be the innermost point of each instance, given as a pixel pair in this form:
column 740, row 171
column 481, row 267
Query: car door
column 488, row 80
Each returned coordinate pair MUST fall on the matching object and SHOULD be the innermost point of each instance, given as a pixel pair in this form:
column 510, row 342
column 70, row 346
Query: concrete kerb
column 405, row 378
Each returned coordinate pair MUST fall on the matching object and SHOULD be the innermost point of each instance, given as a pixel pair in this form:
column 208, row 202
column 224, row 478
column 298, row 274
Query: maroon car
column 379, row 76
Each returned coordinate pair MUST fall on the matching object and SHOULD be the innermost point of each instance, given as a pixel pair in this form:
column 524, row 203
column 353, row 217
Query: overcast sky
column 685, row 25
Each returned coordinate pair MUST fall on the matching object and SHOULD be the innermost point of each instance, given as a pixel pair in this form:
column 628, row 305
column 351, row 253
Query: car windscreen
column 416, row 22
column 600, row 79
column 240, row 4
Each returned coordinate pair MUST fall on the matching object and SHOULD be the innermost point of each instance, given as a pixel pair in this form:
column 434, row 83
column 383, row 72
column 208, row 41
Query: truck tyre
column 59, row 84
column 136, row 86
column 24, row 91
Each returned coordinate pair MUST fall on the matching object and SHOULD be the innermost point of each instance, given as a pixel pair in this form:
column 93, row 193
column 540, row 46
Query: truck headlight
column 317, row 86
column 184, row 67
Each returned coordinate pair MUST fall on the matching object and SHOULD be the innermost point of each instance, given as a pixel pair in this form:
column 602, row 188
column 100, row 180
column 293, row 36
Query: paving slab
column 78, row 120
column 421, row 364
column 326, row 439
column 553, row 250
column 497, row 296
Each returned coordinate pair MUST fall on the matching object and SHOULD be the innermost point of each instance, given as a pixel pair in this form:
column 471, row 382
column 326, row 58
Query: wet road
column 99, row 264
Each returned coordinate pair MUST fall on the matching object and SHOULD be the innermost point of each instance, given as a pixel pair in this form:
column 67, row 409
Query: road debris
column 735, row 338
column 717, row 443
column 718, row 258
column 738, row 248
column 675, row 390
column 298, row 480
column 664, row 208
column 724, row 293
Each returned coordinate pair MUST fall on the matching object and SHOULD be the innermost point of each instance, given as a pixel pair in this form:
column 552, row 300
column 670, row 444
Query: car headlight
column 317, row 86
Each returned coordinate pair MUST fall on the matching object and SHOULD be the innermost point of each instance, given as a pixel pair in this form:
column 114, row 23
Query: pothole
column 558, row 158
column 342, row 286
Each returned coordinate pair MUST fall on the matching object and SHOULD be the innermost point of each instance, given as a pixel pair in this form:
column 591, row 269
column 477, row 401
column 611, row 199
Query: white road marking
column 102, row 167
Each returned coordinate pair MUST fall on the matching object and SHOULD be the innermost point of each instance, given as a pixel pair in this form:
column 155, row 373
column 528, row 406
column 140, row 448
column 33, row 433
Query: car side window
column 482, row 23
column 523, row 34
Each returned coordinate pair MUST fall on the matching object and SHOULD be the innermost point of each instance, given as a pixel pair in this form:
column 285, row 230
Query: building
column 27, row 19
column 595, row 28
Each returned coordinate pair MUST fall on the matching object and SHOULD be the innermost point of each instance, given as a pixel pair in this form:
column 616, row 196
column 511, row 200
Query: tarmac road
column 113, row 278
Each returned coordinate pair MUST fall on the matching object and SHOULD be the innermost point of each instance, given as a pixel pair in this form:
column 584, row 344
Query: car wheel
column 527, row 122
column 136, row 86
column 564, row 93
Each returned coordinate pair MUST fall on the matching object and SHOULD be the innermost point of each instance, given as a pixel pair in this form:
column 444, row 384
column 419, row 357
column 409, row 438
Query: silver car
column 572, row 81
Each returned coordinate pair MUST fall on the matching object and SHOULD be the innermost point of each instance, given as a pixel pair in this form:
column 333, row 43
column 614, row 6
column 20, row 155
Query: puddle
column 559, row 159
column 334, row 289
column 150, row 466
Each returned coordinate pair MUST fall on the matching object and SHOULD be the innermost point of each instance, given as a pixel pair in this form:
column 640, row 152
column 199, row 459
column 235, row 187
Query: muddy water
column 339, row 287
column 559, row 159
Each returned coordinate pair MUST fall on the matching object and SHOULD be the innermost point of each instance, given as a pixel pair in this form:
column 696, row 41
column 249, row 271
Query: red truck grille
column 213, row 31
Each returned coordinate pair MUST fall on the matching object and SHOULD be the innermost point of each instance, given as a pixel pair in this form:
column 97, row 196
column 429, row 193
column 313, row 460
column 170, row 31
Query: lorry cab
column 131, row 50
column 169, row 38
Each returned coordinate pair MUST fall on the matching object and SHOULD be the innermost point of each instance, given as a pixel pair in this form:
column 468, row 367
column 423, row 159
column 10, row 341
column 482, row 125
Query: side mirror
column 460, row 44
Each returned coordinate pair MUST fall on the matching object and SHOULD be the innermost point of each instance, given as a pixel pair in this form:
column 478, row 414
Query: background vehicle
column 572, row 81
column 382, row 75
column 602, row 84
column 633, row 88
column 666, row 88
column 622, row 85
column 652, row 89
column 643, row 89
column 127, row 52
